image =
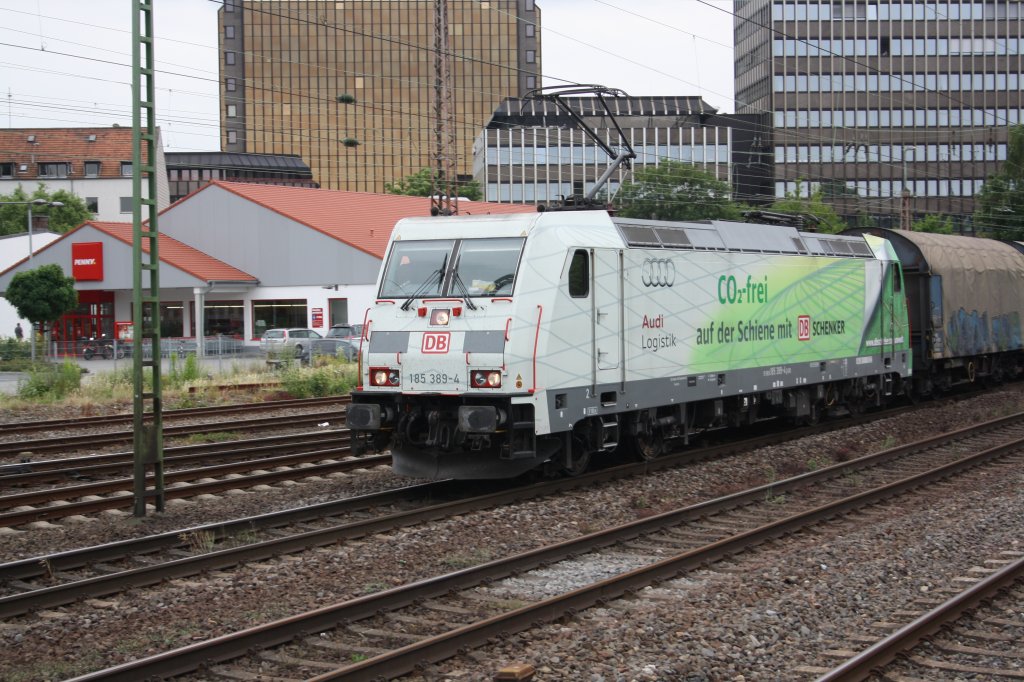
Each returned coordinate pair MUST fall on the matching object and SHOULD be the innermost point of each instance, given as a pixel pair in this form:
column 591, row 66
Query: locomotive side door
column 607, row 314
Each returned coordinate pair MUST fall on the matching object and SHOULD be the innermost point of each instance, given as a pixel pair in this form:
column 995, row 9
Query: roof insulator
column 346, row 98
column 350, row 142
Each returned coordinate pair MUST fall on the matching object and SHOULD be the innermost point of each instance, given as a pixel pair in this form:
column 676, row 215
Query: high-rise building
column 532, row 152
column 880, row 103
column 351, row 88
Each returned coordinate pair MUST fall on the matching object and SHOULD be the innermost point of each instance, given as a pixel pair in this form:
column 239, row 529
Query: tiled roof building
column 92, row 163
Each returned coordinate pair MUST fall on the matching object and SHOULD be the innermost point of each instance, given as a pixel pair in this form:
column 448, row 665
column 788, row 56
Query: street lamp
column 30, row 204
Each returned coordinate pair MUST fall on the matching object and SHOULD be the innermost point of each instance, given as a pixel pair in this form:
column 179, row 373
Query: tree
column 999, row 206
column 14, row 217
column 674, row 190
column 421, row 184
column 934, row 223
column 828, row 220
column 42, row 295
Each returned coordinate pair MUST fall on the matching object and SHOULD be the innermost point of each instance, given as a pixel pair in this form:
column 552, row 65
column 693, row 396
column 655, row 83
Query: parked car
column 350, row 332
column 295, row 341
column 341, row 340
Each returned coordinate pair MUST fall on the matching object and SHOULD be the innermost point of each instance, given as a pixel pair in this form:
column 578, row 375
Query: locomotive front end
column 438, row 373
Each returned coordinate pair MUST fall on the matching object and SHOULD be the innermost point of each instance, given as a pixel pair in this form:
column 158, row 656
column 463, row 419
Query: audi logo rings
column 658, row 272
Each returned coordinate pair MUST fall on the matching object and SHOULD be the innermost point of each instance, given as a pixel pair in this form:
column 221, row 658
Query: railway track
column 16, row 450
column 93, row 467
column 975, row 634
column 22, row 508
column 14, row 429
column 390, row 633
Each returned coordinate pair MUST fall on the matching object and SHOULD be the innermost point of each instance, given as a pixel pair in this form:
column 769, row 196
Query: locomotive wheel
column 649, row 440
column 579, row 459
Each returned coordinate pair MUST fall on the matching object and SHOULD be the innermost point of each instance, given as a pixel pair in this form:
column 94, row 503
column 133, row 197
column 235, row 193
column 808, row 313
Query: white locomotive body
column 500, row 344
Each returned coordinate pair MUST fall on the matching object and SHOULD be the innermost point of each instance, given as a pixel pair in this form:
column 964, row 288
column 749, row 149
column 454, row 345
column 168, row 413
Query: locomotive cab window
column 416, row 268
column 486, row 267
column 579, row 274
column 470, row 268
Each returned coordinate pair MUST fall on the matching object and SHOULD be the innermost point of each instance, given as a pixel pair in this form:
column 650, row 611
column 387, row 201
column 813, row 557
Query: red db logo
column 435, row 342
column 803, row 328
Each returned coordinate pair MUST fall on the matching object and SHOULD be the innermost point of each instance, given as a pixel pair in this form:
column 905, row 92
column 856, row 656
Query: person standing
column 18, row 333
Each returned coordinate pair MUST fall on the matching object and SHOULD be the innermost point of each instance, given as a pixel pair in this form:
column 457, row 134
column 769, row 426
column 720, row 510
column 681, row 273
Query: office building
column 869, row 99
column 532, row 152
column 188, row 171
column 350, row 86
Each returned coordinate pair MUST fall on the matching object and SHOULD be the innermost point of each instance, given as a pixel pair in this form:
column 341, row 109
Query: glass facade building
column 532, row 153
column 350, row 86
column 868, row 99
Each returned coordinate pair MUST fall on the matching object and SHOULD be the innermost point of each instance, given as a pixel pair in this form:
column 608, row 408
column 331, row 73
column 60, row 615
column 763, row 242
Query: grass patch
column 329, row 376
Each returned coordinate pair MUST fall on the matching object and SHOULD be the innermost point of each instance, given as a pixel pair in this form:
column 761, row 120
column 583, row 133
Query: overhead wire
column 417, row 47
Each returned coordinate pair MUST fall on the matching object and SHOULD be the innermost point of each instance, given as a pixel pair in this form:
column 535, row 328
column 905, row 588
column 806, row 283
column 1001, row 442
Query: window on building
column 579, row 274
column 126, row 169
column 230, row 84
column 232, row 110
column 278, row 313
column 531, row 56
column 229, row 32
column 92, row 204
column 172, row 319
column 222, row 317
column 232, row 137
column 6, row 170
column 229, row 58
column 126, row 204
column 531, row 30
column 53, row 170
column 92, row 169
column 531, row 82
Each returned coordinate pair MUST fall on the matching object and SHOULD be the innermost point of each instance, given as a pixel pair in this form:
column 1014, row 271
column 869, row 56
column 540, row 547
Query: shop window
column 278, row 313
column 172, row 319
column 221, row 317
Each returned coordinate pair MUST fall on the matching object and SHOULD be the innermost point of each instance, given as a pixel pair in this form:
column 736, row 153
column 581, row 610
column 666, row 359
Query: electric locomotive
column 503, row 344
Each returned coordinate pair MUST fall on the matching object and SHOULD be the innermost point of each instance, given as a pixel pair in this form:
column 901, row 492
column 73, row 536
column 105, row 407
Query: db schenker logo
column 803, row 328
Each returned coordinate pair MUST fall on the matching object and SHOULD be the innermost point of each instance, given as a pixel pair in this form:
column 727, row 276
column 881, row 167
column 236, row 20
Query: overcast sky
column 67, row 63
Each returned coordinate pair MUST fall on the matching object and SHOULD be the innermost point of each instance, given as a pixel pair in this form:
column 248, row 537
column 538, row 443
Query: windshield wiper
column 426, row 283
column 457, row 280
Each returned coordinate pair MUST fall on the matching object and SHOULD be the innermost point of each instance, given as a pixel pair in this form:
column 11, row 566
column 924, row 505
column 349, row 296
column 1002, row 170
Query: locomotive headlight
column 440, row 317
column 384, row 376
column 485, row 378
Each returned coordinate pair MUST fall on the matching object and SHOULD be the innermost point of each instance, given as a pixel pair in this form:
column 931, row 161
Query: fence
column 112, row 348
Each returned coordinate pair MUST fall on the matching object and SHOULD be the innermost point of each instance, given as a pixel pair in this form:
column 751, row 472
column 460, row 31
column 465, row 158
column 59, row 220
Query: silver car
column 296, row 341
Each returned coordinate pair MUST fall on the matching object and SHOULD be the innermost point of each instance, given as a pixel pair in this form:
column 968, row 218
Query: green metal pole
column 148, row 404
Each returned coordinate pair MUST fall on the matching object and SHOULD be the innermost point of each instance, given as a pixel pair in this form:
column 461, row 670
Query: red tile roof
column 179, row 255
column 360, row 219
column 66, row 145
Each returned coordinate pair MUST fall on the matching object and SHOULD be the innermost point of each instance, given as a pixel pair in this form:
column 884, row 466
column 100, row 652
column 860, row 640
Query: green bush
column 334, row 377
column 189, row 372
column 53, row 382
column 15, row 356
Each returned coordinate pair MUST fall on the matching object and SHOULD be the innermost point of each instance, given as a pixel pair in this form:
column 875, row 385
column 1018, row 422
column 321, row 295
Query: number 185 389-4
column 433, row 378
